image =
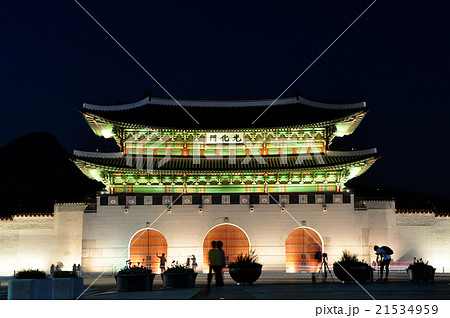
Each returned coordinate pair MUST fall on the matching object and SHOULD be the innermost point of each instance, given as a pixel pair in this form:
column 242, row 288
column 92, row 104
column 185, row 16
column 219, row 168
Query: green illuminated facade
column 163, row 150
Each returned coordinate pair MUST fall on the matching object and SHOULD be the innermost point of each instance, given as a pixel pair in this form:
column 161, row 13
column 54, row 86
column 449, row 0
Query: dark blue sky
column 396, row 58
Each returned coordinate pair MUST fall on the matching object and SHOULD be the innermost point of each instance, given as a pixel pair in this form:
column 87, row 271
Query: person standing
column 222, row 262
column 215, row 264
column 162, row 262
column 384, row 260
column 194, row 262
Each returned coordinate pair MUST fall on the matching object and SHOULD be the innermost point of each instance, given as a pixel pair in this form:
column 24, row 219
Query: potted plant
column 66, row 285
column 134, row 278
column 419, row 270
column 179, row 276
column 30, row 284
column 246, row 269
column 350, row 264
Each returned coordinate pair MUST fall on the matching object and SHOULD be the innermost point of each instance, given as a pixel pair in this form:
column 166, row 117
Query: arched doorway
column 235, row 242
column 303, row 250
column 143, row 248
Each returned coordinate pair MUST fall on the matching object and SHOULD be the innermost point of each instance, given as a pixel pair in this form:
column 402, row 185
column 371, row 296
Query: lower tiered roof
column 209, row 164
column 148, row 173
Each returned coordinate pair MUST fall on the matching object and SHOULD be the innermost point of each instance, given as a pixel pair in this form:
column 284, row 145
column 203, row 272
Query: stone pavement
column 281, row 287
column 335, row 291
column 286, row 288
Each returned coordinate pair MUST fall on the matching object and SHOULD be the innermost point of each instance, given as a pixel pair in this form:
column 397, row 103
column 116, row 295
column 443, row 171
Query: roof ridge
column 352, row 152
column 96, row 154
column 223, row 103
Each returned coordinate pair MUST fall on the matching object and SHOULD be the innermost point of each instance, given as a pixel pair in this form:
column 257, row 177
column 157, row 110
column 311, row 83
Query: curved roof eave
column 371, row 159
column 313, row 125
column 221, row 103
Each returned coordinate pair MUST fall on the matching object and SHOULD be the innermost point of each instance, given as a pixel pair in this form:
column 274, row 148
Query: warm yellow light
column 354, row 172
column 290, row 268
column 107, row 132
column 94, row 174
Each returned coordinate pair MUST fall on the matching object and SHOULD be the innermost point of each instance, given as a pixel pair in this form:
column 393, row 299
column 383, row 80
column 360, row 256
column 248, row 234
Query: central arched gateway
column 235, row 242
column 144, row 245
column 303, row 250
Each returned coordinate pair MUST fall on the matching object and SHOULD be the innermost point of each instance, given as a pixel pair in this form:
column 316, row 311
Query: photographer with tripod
column 383, row 260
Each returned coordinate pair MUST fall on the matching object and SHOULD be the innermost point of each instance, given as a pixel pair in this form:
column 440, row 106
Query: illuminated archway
column 143, row 247
column 235, row 242
column 303, row 250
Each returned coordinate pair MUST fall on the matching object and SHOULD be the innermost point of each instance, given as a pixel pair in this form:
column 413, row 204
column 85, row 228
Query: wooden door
column 303, row 251
column 235, row 242
column 144, row 246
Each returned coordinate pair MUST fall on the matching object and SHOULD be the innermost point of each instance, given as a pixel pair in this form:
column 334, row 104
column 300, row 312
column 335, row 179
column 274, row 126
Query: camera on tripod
column 324, row 269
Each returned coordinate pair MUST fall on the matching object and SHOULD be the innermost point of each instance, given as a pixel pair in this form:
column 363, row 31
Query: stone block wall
column 108, row 232
column 30, row 241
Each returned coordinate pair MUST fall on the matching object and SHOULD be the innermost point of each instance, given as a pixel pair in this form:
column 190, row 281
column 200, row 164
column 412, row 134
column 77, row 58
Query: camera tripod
column 324, row 268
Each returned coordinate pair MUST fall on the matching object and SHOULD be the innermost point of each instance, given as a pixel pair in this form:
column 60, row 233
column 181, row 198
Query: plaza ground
column 276, row 287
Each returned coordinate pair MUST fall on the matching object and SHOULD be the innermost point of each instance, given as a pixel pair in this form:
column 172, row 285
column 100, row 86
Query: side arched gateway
column 235, row 242
column 303, row 250
column 144, row 245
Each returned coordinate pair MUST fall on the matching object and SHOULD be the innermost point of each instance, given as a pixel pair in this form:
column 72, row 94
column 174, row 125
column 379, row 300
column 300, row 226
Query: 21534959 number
column 404, row 309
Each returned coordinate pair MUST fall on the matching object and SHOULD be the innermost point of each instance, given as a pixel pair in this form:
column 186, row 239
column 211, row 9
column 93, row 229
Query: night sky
column 396, row 58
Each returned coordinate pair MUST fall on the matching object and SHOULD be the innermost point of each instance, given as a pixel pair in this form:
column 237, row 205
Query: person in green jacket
column 215, row 264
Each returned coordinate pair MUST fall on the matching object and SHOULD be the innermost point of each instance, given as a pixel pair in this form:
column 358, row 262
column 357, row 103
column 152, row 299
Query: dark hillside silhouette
column 36, row 172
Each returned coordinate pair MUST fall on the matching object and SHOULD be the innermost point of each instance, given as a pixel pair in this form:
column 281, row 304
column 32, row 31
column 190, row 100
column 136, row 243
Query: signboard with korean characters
column 224, row 138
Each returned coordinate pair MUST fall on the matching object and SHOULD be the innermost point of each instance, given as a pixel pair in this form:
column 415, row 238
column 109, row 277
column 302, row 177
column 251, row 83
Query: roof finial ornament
column 298, row 93
column 149, row 94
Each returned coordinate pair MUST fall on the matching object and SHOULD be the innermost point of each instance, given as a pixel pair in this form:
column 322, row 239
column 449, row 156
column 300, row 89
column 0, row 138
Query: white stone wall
column 99, row 241
column 107, row 233
column 420, row 235
column 440, row 244
column 36, row 242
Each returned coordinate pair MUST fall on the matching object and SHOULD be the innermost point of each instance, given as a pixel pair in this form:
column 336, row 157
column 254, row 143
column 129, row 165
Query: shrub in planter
column 134, row 279
column 66, row 285
column 30, row 284
column 134, row 270
column 179, row 276
column 65, row 274
column 245, row 269
column 31, row 274
column 179, row 269
column 419, row 270
column 360, row 270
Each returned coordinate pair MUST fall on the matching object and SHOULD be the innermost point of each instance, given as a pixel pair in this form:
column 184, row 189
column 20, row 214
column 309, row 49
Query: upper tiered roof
column 305, row 128
column 223, row 114
column 209, row 164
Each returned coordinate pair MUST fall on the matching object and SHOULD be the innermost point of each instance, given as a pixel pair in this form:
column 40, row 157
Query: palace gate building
column 274, row 185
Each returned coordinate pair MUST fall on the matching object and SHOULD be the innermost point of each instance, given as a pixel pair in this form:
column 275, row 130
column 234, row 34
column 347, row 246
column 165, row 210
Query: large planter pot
column 361, row 273
column 425, row 274
column 245, row 275
column 178, row 280
column 67, row 288
column 134, row 282
column 30, row 289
